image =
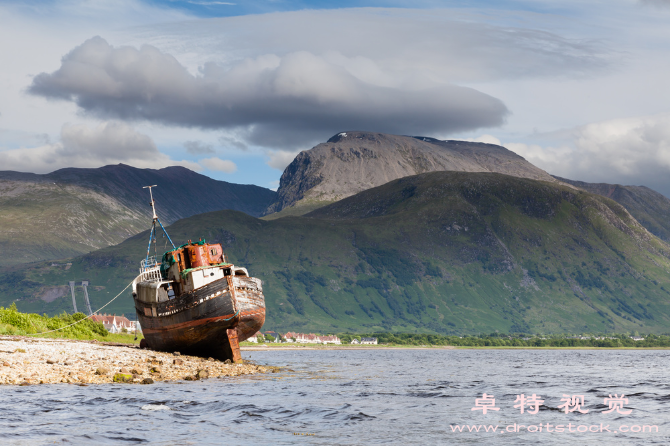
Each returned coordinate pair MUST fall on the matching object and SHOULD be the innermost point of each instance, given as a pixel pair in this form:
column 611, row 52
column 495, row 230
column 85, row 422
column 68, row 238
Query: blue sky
column 235, row 91
column 208, row 9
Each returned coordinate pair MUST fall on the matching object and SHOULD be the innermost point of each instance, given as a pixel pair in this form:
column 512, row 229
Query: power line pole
column 88, row 304
column 74, row 302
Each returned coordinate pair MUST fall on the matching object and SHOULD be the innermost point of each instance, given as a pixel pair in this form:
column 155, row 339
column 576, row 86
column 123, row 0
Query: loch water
column 362, row 397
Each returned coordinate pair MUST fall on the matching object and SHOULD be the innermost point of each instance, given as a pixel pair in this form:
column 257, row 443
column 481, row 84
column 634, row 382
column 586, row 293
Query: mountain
column 73, row 211
column 439, row 252
column 649, row 207
column 351, row 162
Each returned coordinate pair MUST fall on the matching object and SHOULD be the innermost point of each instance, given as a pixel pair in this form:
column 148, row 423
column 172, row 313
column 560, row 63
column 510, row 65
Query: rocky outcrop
column 351, row 162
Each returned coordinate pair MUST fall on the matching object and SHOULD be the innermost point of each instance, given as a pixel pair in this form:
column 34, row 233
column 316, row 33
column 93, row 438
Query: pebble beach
column 28, row 361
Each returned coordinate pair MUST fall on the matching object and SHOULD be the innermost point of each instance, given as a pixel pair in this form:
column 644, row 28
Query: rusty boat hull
column 196, row 323
column 251, row 304
column 204, row 310
column 194, row 301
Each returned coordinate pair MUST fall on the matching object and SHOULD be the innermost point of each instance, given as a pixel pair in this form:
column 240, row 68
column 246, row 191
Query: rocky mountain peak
column 353, row 161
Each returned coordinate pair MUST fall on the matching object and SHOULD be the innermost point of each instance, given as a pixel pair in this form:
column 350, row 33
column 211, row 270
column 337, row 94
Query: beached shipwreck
column 195, row 302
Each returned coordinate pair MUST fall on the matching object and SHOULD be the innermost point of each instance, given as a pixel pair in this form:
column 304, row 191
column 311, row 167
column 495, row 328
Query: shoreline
column 341, row 347
column 26, row 360
column 268, row 347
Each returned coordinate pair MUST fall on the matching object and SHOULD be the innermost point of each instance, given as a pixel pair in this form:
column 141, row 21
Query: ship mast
column 152, row 234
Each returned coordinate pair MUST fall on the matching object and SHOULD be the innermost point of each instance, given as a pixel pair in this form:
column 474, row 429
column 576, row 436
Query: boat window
column 213, row 251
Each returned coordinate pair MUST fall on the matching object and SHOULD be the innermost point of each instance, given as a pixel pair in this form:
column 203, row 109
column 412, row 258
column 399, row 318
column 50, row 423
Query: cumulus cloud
column 218, row 165
column 279, row 159
column 198, row 148
column 657, row 3
column 277, row 101
column 630, row 151
column 488, row 139
column 82, row 146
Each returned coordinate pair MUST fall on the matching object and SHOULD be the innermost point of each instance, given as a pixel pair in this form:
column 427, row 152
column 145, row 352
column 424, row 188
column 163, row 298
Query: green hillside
column 441, row 252
column 648, row 207
column 74, row 211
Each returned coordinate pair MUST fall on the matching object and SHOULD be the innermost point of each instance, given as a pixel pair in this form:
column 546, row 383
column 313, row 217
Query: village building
column 256, row 338
column 291, row 337
column 311, row 338
column 116, row 324
column 329, row 339
column 369, row 341
column 355, row 341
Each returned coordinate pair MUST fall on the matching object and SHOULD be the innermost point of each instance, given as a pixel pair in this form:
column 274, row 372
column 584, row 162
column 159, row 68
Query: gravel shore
column 25, row 361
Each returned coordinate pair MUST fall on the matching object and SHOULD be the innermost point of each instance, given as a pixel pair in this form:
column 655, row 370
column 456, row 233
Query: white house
column 311, row 338
column 253, row 338
column 370, row 341
column 329, row 339
column 114, row 323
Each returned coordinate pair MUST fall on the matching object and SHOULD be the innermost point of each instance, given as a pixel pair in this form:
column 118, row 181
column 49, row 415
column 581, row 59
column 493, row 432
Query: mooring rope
column 232, row 317
column 87, row 317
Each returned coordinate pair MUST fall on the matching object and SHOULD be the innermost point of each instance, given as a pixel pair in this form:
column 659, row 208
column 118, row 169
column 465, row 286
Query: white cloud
column 393, row 46
column 110, row 142
column 629, row 150
column 35, row 36
column 488, row 139
column 218, row 165
column 552, row 69
column 279, row 159
column 281, row 101
column 657, row 3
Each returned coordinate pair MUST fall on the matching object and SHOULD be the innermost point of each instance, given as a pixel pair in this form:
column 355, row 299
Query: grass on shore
column 15, row 323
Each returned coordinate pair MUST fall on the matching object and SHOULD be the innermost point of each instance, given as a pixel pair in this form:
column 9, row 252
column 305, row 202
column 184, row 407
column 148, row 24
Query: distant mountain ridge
column 205, row 194
column 650, row 208
column 73, row 211
column 351, row 162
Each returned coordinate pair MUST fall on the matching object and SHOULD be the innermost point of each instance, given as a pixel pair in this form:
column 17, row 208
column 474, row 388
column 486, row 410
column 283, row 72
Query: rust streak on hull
column 189, row 324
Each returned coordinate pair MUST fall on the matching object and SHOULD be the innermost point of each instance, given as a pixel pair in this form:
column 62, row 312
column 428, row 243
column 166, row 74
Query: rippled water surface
column 358, row 397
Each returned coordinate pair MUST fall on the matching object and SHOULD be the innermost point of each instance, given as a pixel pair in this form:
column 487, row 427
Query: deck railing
column 149, row 270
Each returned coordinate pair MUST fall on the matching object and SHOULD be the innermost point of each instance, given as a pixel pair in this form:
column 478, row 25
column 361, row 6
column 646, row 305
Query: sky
column 235, row 89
